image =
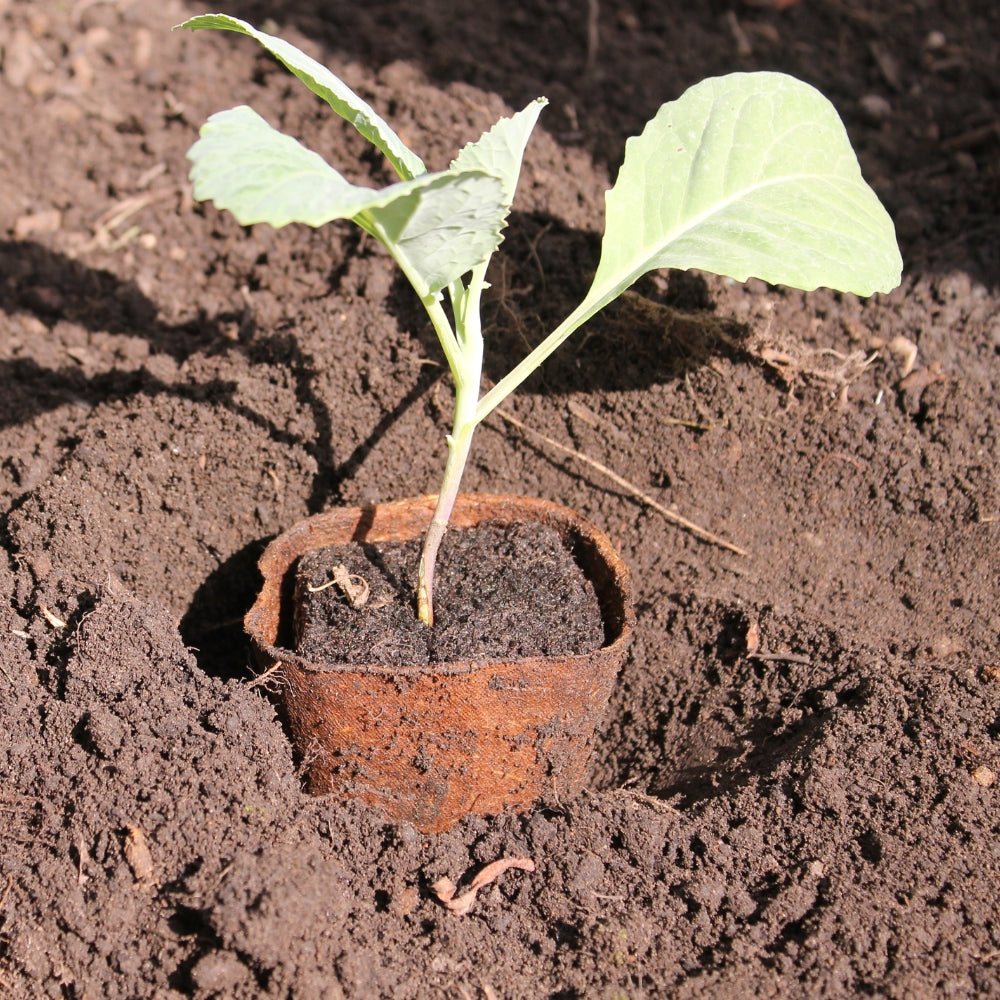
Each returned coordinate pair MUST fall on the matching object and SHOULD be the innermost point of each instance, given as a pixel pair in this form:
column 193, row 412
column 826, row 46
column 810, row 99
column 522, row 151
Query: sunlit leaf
column 501, row 150
column 326, row 85
column 750, row 174
column 438, row 226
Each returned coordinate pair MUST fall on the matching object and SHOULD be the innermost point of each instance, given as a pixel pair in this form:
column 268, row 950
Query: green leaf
column 500, row 150
column 440, row 229
column 437, row 226
column 261, row 175
column 326, row 85
column 746, row 174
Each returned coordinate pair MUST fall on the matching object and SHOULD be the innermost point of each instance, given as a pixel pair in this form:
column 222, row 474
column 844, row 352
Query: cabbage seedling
column 745, row 174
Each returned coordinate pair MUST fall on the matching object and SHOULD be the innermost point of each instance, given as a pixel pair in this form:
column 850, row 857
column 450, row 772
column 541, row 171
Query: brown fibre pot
column 429, row 744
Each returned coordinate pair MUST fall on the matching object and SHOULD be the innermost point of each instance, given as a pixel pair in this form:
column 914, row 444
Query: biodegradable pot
column 428, row 744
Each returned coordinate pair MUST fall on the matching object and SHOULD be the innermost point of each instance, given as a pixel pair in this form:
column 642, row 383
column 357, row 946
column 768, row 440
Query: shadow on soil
column 212, row 626
column 663, row 340
column 731, row 714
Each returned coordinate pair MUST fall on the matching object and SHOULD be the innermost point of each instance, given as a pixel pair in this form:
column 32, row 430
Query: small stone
column 142, row 48
column 984, row 776
column 218, row 972
column 953, row 286
column 875, row 107
column 935, row 41
column 405, row 901
column 19, row 58
column 83, row 72
column 946, row 645
column 40, row 85
column 40, row 24
column 46, row 221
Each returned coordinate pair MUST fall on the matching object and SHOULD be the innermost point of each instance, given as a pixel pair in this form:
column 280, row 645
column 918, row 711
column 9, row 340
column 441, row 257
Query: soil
column 794, row 791
column 502, row 592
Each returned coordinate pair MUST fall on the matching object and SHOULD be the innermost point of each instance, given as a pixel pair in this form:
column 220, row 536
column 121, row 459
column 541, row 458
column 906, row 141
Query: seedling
column 745, row 174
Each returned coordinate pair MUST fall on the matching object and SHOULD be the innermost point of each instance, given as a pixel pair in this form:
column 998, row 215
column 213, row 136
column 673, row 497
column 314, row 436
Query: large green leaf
column 750, row 174
column 747, row 174
column 438, row 226
column 326, row 85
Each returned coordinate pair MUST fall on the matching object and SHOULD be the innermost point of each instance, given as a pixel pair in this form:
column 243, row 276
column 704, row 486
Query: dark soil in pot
column 502, row 592
column 791, row 795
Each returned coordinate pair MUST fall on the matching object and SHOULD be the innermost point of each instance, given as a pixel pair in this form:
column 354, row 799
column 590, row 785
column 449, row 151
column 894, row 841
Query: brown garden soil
column 793, row 792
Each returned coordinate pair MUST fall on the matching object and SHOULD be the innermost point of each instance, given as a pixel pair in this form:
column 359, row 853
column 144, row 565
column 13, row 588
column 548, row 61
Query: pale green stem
column 459, row 442
column 431, row 300
column 463, row 350
column 467, row 374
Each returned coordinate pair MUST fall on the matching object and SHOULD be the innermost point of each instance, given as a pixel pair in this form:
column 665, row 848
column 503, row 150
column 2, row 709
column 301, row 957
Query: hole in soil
column 870, row 844
column 212, row 626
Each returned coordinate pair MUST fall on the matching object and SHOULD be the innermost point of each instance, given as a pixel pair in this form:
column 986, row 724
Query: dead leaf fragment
column 445, row 889
column 355, row 588
column 54, row 620
column 139, row 858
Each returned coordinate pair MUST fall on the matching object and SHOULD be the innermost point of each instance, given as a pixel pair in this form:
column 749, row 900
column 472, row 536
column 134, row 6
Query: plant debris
column 139, row 858
column 445, row 889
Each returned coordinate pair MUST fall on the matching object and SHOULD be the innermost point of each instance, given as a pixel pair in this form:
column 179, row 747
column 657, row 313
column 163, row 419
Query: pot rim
column 263, row 621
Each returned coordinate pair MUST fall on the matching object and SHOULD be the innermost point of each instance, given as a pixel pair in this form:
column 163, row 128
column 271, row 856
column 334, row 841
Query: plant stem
column 459, row 442
column 596, row 299
column 466, row 368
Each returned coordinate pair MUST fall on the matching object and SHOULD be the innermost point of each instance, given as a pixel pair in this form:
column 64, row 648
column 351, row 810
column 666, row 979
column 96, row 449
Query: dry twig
column 629, row 488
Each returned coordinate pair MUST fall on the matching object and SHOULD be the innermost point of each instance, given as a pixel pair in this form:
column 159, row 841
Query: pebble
column 953, row 285
column 875, row 107
column 46, row 221
column 218, row 972
column 946, row 645
column 19, row 59
column 984, row 776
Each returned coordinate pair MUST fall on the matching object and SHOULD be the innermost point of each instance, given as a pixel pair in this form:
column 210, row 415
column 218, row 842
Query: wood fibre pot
column 429, row 744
